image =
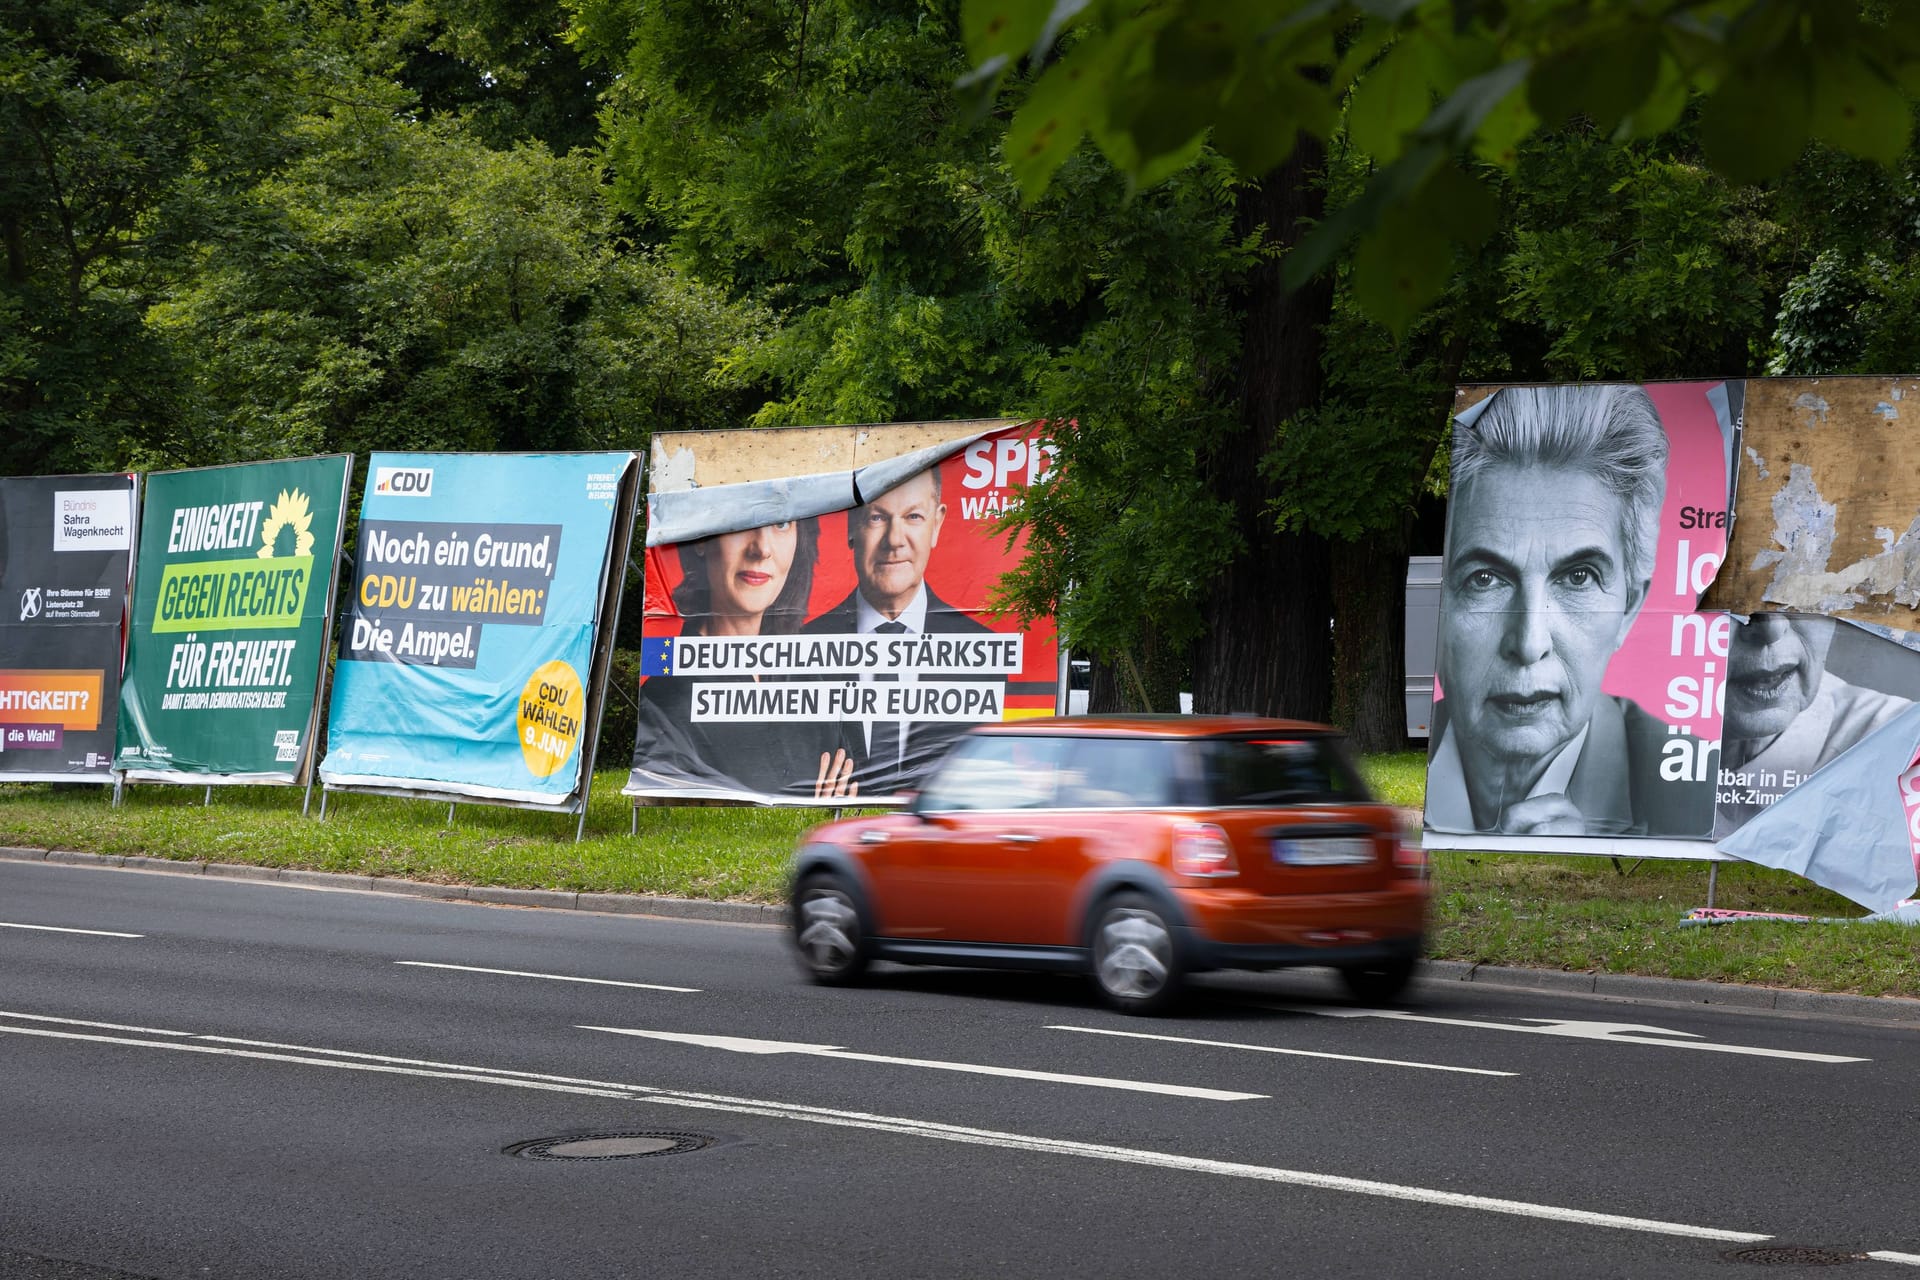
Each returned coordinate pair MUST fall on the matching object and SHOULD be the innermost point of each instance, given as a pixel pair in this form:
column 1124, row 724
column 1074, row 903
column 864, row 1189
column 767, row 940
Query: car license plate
column 1342, row 851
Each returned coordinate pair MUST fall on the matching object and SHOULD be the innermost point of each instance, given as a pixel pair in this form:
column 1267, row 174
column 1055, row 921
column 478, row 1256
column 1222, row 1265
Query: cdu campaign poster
column 1580, row 686
column 817, row 624
column 469, row 655
column 66, row 544
column 230, row 624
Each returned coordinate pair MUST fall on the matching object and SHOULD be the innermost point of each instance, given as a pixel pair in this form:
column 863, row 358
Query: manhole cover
column 1790, row 1255
column 611, row 1146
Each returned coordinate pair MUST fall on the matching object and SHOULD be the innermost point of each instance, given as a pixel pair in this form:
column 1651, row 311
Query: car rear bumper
column 1204, row 953
column 1236, row 929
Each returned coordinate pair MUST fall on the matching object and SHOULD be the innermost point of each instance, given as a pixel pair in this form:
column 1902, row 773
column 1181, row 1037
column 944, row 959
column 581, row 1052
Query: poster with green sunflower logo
column 232, row 616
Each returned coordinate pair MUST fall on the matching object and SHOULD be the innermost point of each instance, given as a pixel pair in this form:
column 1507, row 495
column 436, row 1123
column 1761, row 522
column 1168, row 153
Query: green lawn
column 1588, row 914
column 1398, row 777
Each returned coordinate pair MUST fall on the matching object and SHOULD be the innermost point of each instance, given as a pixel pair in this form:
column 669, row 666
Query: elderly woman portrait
column 1552, row 527
column 748, row 583
column 1787, row 714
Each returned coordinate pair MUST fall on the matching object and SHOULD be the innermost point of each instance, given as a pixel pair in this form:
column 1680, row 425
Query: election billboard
column 231, row 621
column 474, row 651
column 66, row 545
column 817, row 624
column 1580, row 686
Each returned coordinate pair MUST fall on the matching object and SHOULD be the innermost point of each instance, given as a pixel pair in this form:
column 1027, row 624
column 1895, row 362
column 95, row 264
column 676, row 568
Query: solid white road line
column 1888, row 1255
column 1295, row 1053
column 736, row 1044
column 1609, row 1032
column 551, row 977
column 54, row 928
column 346, row 1060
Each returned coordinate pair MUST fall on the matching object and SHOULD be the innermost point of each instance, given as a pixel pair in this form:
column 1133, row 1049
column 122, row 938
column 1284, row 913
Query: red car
column 1138, row 849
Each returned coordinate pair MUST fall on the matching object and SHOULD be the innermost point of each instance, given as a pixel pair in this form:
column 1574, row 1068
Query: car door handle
column 1015, row 837
column 873, row 837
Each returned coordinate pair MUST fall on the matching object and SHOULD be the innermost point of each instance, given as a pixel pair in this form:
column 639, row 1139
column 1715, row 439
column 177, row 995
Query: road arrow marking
column 1610, row 1032
column 735, row 1044
column 1296, row 1053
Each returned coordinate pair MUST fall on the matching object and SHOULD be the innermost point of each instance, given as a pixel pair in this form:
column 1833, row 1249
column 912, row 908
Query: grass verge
column 1582, row 914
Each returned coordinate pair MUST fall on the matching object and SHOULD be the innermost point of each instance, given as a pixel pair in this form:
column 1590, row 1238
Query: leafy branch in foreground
column 1426, row 86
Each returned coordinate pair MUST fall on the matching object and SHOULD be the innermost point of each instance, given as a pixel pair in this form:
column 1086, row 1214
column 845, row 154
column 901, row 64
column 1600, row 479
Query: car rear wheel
column 1380, row 982
column 1136, row 963
column 828, row 930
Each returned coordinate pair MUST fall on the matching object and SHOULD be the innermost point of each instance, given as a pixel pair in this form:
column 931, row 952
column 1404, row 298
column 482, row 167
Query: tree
column 401, row 285
column 238, row 229
column 130, row 128
column 1426, row 84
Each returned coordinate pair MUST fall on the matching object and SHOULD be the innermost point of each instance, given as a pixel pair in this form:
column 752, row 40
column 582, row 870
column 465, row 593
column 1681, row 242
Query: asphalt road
column 228, row 1079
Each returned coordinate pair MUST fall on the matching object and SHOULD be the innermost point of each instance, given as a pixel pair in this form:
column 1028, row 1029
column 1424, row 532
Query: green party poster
column 231, row 620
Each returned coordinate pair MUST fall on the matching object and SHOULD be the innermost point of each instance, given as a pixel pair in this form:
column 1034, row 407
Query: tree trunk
column 1370, row 639
column 1148, row 678
column 1268, row 647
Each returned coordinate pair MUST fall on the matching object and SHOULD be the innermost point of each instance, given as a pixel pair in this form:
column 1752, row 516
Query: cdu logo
column 29, row 603
column 403, row 482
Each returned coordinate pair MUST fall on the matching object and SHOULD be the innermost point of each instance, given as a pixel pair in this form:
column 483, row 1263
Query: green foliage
column 129, row 128
column 1855, row 239
column 502, row 66
column 1631, row 261
column 241, row 229
column 814, row 160
column 1422, row 83
column 1131, row 536
column 402, row 285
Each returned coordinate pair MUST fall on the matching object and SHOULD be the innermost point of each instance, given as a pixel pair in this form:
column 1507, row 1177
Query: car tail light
column 1202, row 849
column 1410, row 860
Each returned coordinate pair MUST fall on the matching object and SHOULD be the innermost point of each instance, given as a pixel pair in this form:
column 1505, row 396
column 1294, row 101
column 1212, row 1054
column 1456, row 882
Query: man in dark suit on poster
column 892, row 538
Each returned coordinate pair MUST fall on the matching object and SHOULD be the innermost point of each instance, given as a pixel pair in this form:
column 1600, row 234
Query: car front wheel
column 1136, row 963
column 828, row 930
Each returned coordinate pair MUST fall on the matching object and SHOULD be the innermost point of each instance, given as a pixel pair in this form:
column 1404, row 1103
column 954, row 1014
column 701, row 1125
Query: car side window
column 1304, row 770
column 1117, row 773
column 997, row 771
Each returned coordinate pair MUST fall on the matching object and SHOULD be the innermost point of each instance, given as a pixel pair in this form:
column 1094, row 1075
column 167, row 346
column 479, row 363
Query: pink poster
column 1910, row 800
column 1582, row 691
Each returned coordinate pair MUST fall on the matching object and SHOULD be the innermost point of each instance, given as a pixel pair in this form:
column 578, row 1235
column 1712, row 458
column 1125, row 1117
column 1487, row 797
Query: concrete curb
column 1678, row 991
column 625, row 904
column 1623, row 986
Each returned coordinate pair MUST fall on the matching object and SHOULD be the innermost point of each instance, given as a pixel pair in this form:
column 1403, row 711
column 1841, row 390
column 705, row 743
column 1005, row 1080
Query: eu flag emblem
column 656, row 656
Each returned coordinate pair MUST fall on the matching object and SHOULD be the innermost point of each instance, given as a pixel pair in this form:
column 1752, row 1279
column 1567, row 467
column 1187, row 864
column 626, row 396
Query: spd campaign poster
column 1580, row 686
column 468, row 656
column 816, row 608
column 232, row 603
column 66, row 544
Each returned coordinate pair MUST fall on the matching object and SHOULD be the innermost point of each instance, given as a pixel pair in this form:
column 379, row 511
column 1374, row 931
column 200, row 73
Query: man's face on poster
column 892, row 538
column 1536, row 601
column 1774, row 666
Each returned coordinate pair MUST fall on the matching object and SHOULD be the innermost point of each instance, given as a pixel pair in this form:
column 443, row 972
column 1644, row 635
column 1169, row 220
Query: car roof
column 1155, row 726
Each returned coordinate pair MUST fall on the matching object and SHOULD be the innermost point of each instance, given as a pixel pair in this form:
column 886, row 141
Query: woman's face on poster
column 1536, row 601
column 1774, row 668
column 746, row 571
